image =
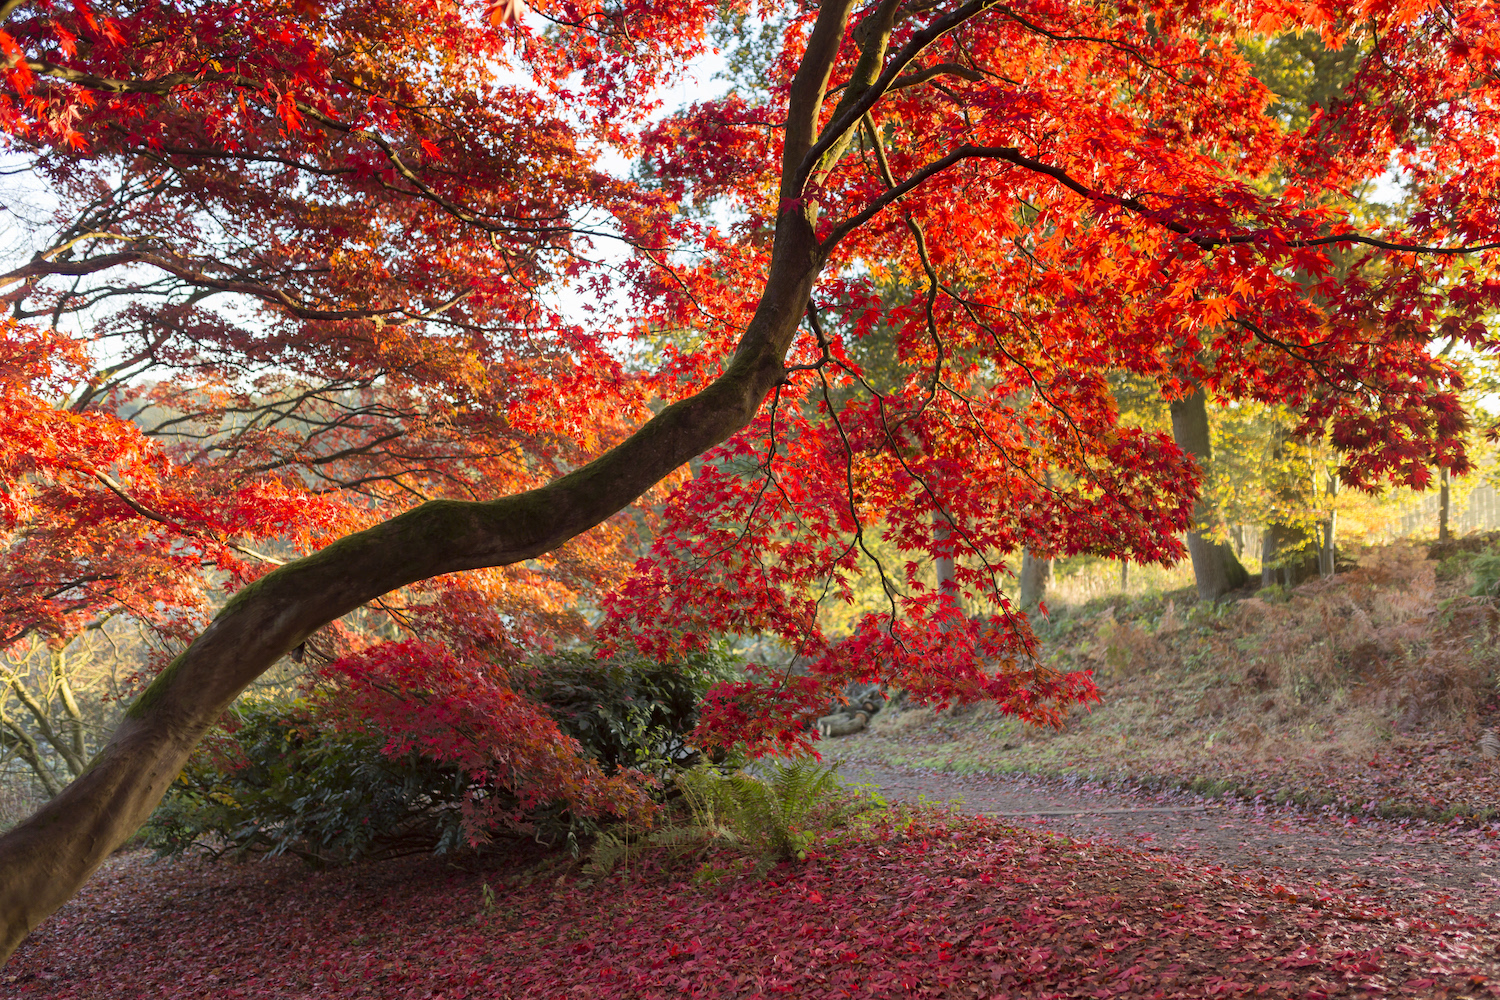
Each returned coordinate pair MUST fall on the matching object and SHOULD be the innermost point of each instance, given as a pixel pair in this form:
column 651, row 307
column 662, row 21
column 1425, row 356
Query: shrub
column 1454, row 567
column 772, row 815
column 322, row 781
column 1484, row 569
column 775, row 817
column 625, row 710
column 284, row 780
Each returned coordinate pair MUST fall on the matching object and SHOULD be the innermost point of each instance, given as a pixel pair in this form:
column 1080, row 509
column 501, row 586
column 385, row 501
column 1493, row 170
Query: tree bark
column 1443, row 502
column 1216, row 571
column 1036, row 572
column 1289, row 555
column 44, row 860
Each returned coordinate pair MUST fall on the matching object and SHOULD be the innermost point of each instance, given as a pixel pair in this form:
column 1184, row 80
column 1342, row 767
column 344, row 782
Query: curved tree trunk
column 1216, row 570
column 47, row 858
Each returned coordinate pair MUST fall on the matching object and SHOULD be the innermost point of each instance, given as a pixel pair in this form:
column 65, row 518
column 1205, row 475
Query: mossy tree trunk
column 45, row 859
column 1216, row 570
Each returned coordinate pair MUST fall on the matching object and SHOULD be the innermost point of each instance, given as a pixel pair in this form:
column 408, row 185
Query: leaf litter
column 920, row 902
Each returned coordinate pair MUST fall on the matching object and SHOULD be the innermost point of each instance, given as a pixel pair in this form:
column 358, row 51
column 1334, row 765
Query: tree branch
column 805, row 99
column 180, row 268
column 932, row 72
column 1201, row 238
column 850, row 113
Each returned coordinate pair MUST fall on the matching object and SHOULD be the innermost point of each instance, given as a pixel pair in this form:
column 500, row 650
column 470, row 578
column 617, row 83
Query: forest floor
column 898, row 903
column 1291, row 796
column 1430, row 867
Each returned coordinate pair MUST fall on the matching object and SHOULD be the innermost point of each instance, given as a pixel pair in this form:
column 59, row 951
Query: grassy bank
column 1369, row 692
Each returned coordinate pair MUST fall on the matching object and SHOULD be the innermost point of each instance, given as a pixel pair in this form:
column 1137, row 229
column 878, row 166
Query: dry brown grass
column 1292, row 689
column 1379, row 646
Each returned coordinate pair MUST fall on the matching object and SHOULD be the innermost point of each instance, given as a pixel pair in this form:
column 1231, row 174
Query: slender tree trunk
column 1443, row 500
column 1036, row 573
column 75, row 720
column 1124, row 574
column 944, row 567
column 1215, row 568
column 1328, row 551
column 1326, row 557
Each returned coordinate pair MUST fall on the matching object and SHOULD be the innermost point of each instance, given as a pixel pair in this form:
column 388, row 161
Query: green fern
column 610, row 850
column 1485, row 570
column 770, row 816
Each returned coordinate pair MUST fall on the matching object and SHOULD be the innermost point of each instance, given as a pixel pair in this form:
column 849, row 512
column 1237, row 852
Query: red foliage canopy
column 305, row 268
column 293, row 273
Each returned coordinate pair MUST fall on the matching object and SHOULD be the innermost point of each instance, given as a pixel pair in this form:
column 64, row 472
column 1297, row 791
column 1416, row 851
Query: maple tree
column 390, row 194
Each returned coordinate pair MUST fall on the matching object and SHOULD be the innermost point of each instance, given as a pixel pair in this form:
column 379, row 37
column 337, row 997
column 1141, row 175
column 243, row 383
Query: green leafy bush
column 1484, row 569
column 1455, row 566
column 628, row 710
column 285, row 780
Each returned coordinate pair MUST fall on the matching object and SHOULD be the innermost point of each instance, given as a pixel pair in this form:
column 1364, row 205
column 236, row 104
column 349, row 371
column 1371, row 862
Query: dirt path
column 1416, row 864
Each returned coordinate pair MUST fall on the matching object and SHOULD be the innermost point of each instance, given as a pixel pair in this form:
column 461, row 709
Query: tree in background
column 1062, row 184
column 58, row 702
column 1216, row 567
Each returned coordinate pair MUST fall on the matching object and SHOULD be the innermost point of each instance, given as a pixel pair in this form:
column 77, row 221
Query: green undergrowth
column 741, row 823
column 1368, row 693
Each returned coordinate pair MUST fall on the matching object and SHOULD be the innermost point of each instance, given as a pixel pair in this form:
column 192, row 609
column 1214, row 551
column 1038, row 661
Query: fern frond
column 608, row 852
column 682, row 836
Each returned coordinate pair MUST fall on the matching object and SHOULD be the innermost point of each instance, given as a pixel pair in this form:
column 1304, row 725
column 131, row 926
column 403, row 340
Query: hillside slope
column 1370, row 692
